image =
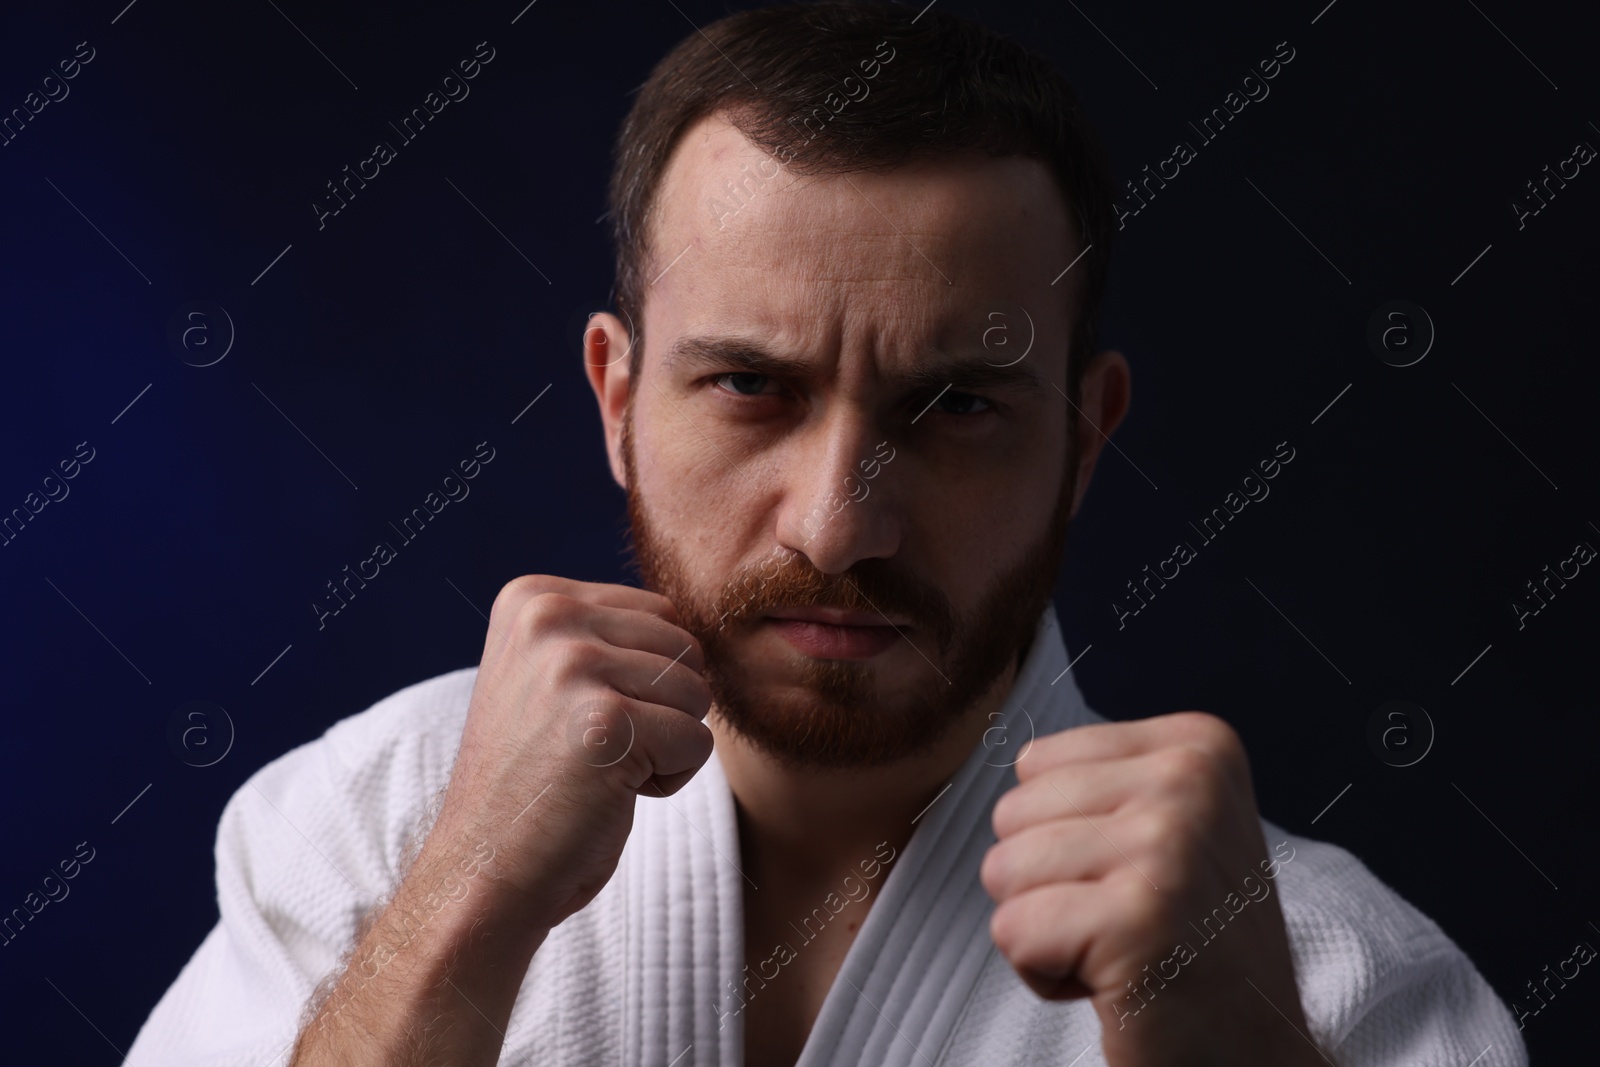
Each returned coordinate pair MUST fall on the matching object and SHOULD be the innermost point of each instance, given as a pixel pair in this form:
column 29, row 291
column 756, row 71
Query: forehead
column 740, row 243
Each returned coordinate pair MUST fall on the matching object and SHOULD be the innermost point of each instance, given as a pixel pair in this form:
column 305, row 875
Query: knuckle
column 523, row 588
column 1212, row 731
column 601, row 732
column 608, row 720
column 1180, row 767
column 666, row 607
column 695, row 654
column 994, row 872
column 1149, row 830
column 1044, row 753
column 1146, row 909
column 546, row 610
column 1003, row 929
column 575, row 658
column 1203, row 806
column 1005, row 814
column 1028, row 951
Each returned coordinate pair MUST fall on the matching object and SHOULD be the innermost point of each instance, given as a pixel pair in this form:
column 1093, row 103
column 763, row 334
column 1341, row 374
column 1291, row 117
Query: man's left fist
column 1131, row 869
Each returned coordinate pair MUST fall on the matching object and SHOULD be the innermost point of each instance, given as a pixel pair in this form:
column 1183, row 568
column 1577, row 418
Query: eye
column 745, row 383
column 952, row 403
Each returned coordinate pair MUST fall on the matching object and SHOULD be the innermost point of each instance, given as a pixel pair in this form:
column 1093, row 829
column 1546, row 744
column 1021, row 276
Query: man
column 898, row 835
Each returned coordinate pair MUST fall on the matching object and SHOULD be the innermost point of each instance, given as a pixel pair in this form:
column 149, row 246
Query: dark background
column 413, row 327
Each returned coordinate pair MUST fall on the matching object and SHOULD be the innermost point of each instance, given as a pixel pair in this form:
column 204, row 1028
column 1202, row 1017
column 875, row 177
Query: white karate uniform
column 646, row 974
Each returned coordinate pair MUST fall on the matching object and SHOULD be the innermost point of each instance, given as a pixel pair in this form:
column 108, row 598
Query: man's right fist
column 587, row 695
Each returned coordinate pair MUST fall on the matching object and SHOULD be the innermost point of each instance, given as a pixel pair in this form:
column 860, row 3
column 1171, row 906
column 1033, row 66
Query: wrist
column 458, row 886
column 446, row 933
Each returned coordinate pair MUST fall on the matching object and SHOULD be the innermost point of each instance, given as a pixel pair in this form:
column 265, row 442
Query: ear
column 607, row 347
column 1105, row 392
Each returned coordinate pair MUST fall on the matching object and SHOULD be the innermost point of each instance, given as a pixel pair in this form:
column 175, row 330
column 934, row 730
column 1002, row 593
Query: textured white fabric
column 645, row 975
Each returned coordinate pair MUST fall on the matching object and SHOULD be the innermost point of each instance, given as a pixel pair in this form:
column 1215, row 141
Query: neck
column 806, row 825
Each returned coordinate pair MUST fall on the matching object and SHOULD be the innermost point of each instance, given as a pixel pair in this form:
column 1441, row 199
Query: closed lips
column 831, row 617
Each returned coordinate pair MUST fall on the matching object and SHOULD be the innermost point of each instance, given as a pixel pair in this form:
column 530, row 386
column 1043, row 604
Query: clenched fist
column 588, row 695
column 1131, row 869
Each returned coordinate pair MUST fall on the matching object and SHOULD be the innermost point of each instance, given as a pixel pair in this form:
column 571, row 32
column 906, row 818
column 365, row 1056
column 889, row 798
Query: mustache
column 784, row 578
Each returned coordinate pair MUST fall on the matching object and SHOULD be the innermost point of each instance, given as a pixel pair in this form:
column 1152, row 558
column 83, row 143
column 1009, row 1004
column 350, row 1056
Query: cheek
column 684, row 444
column 700, row 508
column 972, row 531
column 677, row 468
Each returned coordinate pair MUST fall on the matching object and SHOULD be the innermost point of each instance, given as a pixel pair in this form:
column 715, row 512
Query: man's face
column 938, row 505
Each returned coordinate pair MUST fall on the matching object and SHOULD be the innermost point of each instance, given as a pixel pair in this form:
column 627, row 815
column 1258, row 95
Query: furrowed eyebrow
column 974, row 374
column 724, row 353
column 689, row 353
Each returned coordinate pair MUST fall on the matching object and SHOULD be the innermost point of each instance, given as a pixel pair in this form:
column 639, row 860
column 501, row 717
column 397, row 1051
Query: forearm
column 434, row 978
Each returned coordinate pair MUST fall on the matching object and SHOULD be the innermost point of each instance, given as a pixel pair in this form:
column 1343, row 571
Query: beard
column 836, row 718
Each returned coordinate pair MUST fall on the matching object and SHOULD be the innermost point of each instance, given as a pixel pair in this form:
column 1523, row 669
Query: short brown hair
column 951, row 87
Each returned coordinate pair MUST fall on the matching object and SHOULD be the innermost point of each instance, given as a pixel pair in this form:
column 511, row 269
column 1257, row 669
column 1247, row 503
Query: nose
column 841, row 503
